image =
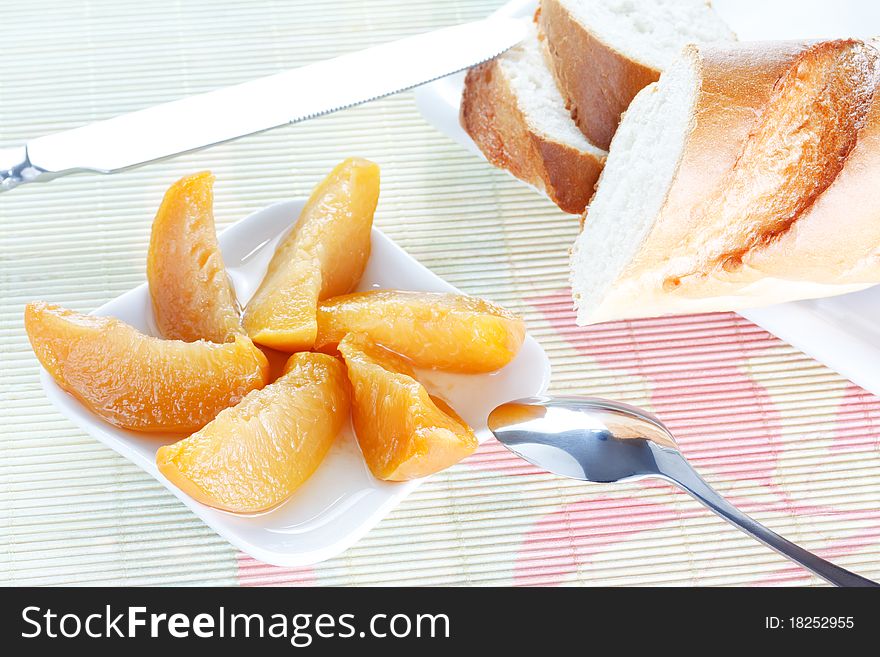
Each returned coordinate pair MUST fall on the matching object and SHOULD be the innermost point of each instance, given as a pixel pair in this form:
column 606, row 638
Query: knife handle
column 16, row 168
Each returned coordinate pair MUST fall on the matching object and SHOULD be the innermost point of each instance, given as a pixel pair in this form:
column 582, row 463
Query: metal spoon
column 604, row 441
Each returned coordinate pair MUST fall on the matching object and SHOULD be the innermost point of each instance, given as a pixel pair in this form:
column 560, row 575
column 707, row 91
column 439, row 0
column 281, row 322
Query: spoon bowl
column 604, row 441
column 581, row 437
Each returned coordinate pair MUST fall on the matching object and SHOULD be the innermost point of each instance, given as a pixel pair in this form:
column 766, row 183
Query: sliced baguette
column 603, row 52
column 746, row 176
column 513, row 111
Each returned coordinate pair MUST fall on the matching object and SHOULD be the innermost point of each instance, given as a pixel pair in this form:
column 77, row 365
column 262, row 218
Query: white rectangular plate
column 842, row 332
column 342, row 500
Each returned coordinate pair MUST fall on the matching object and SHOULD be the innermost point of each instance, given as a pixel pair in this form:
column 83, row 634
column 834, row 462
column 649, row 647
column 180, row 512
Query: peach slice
column 324, row 255
column 277, row 361
column 443, row 331
column 404, row 433
column 254, row 456
column 192, row 296
column 139, row 382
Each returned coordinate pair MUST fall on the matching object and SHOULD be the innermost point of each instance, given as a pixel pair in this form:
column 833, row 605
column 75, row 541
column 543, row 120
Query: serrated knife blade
column 210, row 118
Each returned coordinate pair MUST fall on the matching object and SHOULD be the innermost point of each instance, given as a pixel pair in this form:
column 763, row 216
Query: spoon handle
column 674, row 467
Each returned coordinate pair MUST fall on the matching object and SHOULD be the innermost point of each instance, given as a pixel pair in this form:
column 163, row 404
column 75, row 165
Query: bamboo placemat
column 792, row 442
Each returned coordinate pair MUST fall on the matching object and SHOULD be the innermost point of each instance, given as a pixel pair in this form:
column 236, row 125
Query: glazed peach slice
column 404, row 432
column 324, row 255
column 192, row 296
column 254, row 456
column 139, row 382
column 443, row 331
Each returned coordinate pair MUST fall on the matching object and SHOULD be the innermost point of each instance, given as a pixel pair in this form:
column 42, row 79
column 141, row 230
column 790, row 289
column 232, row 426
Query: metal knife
column 217, row 116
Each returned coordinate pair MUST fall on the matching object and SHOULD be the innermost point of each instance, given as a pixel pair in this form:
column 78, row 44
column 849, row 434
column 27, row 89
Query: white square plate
column 842, row 332
column 342, row 500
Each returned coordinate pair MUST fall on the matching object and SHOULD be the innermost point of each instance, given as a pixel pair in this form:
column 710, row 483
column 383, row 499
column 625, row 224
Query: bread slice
column 513, row 111
column 603, row 52
column 747, row 175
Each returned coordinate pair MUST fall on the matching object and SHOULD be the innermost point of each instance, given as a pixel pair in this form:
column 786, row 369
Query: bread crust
column 734, row 87
column 492, row 117
column 776, row 194
column 837, row 240
column 597, row 81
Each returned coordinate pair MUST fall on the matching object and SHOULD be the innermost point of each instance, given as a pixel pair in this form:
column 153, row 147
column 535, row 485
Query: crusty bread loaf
column 603, row 52
column 749, row 174
column 513, row 111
